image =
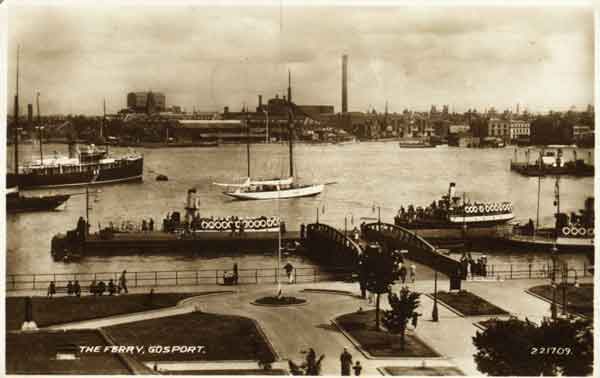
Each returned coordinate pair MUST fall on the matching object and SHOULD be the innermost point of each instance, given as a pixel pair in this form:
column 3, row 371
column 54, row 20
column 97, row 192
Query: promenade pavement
column 296, row 328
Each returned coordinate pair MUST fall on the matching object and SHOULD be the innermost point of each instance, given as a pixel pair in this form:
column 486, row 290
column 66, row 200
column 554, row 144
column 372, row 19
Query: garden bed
column 361, row 327
column 580, row 299
column 420, row 371
column 279, row 301
column 50, row 311
column 223, row 337
column 35, row 353
column 469, row 304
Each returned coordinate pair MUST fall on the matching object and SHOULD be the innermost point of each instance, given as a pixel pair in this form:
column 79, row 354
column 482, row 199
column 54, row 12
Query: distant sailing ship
column 81, row 167
column 15, row 202
column 276, row 188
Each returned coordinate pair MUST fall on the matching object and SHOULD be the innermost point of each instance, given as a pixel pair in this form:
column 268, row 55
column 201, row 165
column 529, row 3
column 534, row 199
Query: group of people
column 346, row 364
column 473, row 267
column 96, row 288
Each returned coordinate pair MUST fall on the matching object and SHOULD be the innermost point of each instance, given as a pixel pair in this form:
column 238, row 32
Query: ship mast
column 290, row 123
column 247, row 142
column 291, row 140
column 16, row 125
column 103, row 124
column 40, row 128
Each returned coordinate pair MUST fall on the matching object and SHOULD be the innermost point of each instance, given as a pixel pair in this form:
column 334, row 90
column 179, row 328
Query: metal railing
column 533, row 271
column 157, row 278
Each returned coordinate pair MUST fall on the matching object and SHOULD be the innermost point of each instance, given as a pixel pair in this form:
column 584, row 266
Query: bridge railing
column 158, row 278
column 419, row 249
column 330, row 246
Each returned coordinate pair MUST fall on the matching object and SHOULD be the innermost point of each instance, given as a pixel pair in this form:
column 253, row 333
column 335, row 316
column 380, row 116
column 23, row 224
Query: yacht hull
column 304, row 191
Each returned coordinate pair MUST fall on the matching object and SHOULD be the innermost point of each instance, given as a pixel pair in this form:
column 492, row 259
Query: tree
column 403, row 309
column 379, row 272
column 522, row 348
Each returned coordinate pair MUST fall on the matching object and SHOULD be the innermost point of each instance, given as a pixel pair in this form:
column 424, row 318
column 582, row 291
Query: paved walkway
column 294, row 329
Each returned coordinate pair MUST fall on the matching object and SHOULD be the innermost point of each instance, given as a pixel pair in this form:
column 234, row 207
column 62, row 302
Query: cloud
column 210, row 57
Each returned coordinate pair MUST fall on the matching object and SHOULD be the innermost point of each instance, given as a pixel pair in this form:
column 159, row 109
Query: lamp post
column 553, row 305
column 434, row 312
column 267, row 124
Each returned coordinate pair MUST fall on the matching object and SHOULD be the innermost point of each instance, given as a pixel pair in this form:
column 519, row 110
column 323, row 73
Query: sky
column 208, row 57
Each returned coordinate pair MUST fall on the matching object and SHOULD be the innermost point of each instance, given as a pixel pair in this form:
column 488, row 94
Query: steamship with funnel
column 454, row 217
column 81, row 167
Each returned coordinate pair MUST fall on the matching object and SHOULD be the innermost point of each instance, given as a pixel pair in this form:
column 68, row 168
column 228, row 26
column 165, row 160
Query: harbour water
column 368, row 176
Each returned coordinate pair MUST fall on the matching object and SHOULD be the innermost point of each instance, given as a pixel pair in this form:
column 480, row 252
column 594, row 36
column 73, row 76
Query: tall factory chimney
column 289, row 96
column 344, row 83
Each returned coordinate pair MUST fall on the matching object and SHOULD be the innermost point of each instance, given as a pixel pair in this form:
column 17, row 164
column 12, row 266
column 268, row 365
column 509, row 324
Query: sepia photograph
column 285, row 187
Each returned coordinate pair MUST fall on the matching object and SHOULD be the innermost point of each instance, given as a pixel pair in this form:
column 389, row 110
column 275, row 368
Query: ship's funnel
column 451, row 191
column 72, row 150
column 191, row 199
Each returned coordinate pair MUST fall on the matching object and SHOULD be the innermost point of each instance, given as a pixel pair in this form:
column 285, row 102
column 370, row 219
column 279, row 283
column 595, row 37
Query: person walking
column 413, row 273
column 289, row 269
column 357, row 368
column 51, row 289
column 123, row 283
column 77, row 288
column 346, row 362
column 69, row 288
column 235, row 273
column 403, row 273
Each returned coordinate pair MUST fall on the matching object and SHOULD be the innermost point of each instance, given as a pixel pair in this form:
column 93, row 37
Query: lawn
column 420, row 371
column 35, row 353
column 469, row 304
column 360, row 325
column 224, row 337
column 57, row 310
column 580, row 299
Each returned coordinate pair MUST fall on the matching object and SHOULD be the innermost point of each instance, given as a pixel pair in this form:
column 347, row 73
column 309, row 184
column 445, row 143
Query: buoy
column 263, row 223
column 270, row 223
column 481, row 208
column 582, row 231
column 237, row 224
column 211, row 225
column 590, row 232
column 204, row 224
column 566, row 231
column 574, row 231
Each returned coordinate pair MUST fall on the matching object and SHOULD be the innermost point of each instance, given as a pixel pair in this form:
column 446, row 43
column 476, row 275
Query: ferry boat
column 180, row 232
column 454, row 217
column 577, row 229
column 89, row 166
column 551, row 162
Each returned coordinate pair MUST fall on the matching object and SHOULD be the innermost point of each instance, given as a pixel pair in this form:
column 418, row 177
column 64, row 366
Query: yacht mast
column 291, row 139
column 16, row 123
column 248, row 144
column 40, row 128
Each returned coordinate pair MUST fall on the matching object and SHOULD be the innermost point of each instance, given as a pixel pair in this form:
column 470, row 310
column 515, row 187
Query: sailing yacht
column 282, row 188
